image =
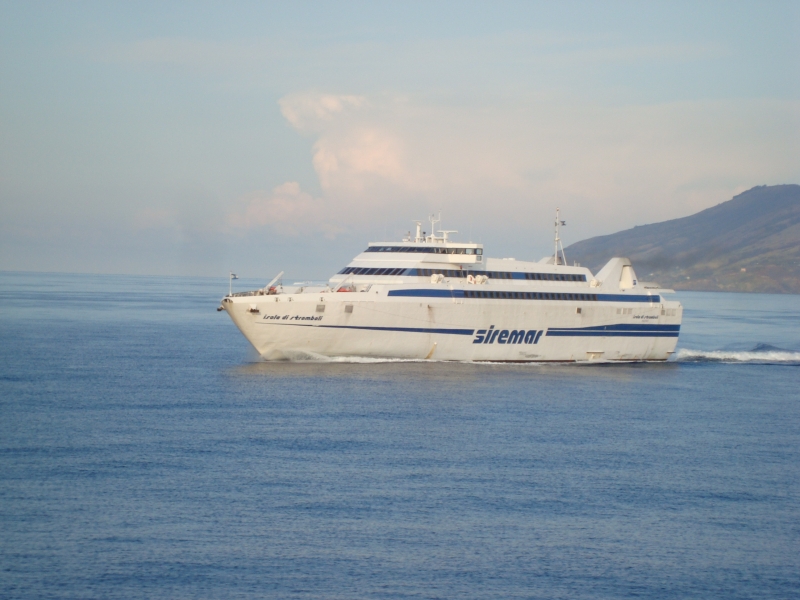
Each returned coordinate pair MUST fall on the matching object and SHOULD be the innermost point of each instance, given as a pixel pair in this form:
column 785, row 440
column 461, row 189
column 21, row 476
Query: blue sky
column 193, row 138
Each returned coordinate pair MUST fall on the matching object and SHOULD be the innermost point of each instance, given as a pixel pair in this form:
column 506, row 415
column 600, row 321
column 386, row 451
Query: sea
column 147, row 452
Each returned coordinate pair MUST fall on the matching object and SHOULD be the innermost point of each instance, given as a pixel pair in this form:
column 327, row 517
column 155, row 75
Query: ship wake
column 761, row 354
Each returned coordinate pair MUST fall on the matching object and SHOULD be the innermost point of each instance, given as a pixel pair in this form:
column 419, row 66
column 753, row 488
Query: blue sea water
column 145, row 452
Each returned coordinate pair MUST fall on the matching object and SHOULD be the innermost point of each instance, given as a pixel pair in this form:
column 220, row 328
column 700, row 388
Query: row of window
column 425, row 250
column 365, row 271
column 504, row 275
column 463, row 274
column 530, row 296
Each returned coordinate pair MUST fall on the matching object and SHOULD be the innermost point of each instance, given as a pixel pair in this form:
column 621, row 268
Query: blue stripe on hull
column 619, row 330
column 438, row 293
column 367, row 328
column 567, row 333
column 623, row 327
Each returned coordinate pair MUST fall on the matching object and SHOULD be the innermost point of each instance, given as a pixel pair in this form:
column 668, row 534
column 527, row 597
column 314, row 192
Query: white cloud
column 311, row 112
column 609, row 167
column 286, row 210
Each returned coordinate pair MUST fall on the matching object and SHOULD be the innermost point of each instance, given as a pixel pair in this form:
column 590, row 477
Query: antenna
column 445, row 232
column 433, row 219
column 559, row 224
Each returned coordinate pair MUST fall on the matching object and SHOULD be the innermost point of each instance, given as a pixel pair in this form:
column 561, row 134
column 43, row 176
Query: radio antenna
column 558, row 244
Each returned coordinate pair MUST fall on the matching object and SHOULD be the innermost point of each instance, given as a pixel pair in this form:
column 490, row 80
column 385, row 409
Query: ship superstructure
column 429, row 297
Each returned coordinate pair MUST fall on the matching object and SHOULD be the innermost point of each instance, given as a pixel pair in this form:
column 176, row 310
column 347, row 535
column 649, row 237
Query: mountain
column 750, row 243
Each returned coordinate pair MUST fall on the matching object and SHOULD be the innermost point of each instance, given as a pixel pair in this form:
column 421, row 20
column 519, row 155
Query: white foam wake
column 307, row 356
column 738, row 356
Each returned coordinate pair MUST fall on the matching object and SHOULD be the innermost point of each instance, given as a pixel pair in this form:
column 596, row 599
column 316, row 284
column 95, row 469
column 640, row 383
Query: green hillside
column 750, row 243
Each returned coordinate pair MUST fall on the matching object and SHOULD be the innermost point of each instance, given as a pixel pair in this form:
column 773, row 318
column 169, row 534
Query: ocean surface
column 145, row 452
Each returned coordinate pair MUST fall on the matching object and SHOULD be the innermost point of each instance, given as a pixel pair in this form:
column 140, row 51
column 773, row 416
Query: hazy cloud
column 651, row 162
column 287, row 210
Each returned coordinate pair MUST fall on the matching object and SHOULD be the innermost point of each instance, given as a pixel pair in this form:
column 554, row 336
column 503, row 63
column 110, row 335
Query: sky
column 195, row 138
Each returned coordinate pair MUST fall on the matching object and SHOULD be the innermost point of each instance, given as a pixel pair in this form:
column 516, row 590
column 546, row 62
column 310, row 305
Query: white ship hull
column 436, row 328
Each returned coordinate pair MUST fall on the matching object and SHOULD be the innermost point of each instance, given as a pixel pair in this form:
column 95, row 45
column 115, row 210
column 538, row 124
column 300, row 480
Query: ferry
column 429, row 297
